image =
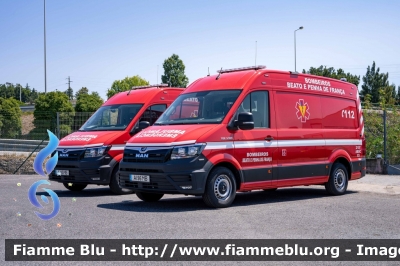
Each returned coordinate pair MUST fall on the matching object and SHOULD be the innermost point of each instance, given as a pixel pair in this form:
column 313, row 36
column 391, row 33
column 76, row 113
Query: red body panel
column 313, row 122
column 118, row 139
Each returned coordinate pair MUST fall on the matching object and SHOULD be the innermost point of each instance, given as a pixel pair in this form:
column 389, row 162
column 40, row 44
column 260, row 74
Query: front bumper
column 85, row 171
column 182, row 176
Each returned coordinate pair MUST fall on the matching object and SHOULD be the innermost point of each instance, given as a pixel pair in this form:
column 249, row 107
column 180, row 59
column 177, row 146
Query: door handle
column 269, row 138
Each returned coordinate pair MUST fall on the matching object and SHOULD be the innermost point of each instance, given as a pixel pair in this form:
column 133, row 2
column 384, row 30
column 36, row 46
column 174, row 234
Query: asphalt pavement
column 370, row 209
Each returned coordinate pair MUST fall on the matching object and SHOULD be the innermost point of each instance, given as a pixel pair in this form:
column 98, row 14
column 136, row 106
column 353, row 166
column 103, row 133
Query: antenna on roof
column 157, row 74
column 219, row 74
column 146, row 87
column 208, row 72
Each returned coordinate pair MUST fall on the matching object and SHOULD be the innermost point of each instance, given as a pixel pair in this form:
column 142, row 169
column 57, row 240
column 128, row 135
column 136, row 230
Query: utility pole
column 69, row 82
column 69, row 85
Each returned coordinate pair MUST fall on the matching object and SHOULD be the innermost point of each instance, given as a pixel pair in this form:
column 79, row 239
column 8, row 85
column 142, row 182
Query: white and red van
column 92, row 154
column 249, row 129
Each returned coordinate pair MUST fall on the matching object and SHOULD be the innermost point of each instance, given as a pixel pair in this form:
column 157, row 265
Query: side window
column 153, row 113
column 257, row 103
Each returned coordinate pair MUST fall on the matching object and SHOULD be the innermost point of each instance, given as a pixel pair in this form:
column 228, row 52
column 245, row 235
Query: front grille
column 156, row 182
column 92, row 172
column 74, row 155
column 182, row 178
column 151, row 156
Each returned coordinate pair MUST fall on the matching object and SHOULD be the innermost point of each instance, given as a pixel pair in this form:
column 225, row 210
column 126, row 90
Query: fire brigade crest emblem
column 302, row 111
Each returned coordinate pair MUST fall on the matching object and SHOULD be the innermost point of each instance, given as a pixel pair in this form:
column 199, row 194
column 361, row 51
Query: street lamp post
column 300, row 28
column 44, row 34
column 20, row 92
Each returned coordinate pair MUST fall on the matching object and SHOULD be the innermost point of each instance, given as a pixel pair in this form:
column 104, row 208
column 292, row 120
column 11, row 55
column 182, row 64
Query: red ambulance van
column 92, row 154
column 249, row 129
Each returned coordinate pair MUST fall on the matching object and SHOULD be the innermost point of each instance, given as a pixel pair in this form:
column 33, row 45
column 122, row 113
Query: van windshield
column 205, row 107
column 111, row 117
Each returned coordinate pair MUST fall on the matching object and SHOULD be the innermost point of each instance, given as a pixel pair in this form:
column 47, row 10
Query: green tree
column 83, row 90
column 88, row 102
column 398, row 96
column 45, row 114
column 387, row 96
column 125, row 85
column 10, row 117
column 174, row 72
column 70, row 93
column 373, row 81
column 332, row 73
column 33, row 96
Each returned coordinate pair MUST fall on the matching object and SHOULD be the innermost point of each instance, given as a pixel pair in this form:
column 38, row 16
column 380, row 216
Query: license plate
column 139, row 178
column 62, row 172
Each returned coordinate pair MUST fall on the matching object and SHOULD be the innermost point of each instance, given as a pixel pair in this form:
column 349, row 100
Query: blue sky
column 97, row 42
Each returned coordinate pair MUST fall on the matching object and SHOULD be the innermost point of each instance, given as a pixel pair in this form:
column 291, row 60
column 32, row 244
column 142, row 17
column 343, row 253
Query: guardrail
column 21, row 145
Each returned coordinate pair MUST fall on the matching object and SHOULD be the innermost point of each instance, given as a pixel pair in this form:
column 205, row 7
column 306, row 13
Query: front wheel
column 220, row 189
column 149, row 197
column 338, row 180
column 74, row 187
column 114, row 184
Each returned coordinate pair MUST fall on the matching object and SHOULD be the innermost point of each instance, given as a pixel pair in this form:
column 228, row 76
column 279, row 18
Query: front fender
column 219, row 158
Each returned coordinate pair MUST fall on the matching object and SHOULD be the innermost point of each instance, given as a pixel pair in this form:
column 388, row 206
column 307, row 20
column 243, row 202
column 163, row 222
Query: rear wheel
column 74, row 187
column 220, row 189
column 149, row 197
column 114, row 184
column 338, row 180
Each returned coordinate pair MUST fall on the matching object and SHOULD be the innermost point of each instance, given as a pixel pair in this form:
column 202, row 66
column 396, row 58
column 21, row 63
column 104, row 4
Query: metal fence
column 27, row 134
column 31, row 126
column 21, row 137
column 382, row 134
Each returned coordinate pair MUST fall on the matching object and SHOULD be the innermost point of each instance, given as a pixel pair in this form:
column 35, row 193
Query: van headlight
column 96, row 151
column 190, row 151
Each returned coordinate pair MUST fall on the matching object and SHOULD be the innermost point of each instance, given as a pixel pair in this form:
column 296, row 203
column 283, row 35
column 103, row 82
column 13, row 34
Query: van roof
column 140, row 95
column 242, row 79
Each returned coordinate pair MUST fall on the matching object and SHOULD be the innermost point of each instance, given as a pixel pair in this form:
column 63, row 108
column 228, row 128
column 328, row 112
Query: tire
column 220, row 189
column 149, row 197
column 338, row 180
column 75, row 187
column 114, row 184
column 270, row 190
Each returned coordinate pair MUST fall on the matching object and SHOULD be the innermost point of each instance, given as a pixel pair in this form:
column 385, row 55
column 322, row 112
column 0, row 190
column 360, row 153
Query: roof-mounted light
column 240, row 69
column 147, row 86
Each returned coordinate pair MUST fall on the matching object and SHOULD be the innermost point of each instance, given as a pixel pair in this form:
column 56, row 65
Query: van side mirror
column 137, row 128
column 245, row 121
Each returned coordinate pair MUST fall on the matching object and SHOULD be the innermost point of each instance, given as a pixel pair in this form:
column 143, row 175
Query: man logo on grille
column 143, row 149
column 64, row 150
